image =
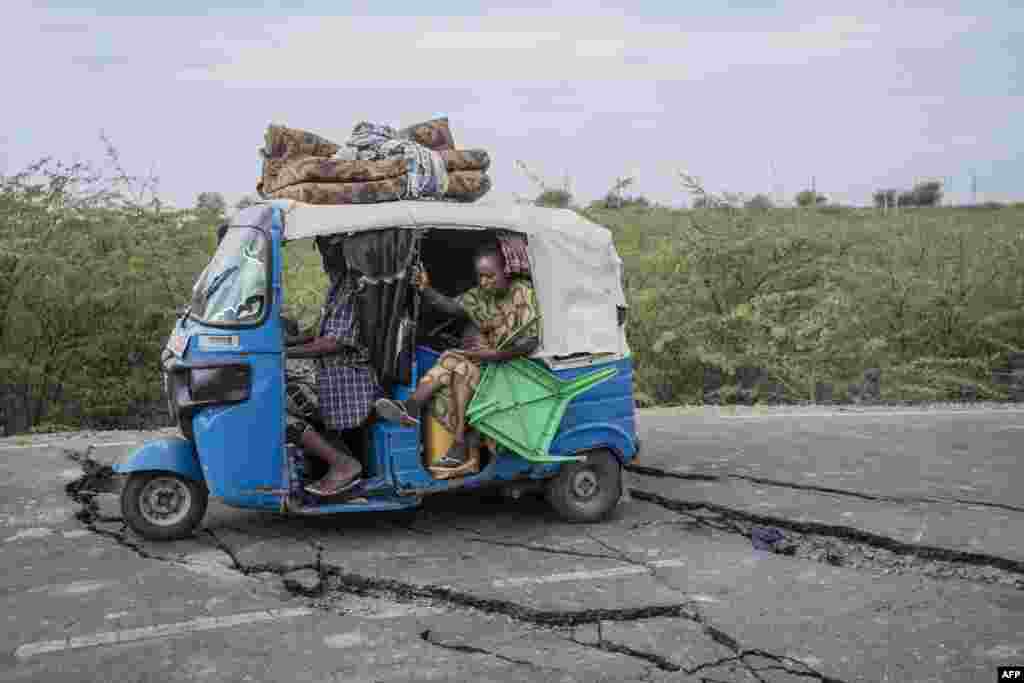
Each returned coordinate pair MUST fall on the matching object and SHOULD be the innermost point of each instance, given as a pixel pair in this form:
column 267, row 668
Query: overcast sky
column 859, row 95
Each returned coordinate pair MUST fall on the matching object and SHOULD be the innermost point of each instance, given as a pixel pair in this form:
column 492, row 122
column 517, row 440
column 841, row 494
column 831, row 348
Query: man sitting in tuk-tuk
column 504, row 309
column 345, row 383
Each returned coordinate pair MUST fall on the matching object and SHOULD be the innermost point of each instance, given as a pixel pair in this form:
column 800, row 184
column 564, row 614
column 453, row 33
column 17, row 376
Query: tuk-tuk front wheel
column 587, row 491
column 163, row 506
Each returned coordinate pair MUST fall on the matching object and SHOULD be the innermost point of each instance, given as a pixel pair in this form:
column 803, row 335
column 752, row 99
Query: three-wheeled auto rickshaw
column 561, row 421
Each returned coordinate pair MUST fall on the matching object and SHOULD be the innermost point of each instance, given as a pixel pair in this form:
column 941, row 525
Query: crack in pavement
column 780, row 661
column 713, row 632
column 742, row 656
column 649, row 471
column 81, row 492
column 406, row 592
column 849, row 535
column 428, row 636
column 342, row 582
column 659, row 662
column 474, row 536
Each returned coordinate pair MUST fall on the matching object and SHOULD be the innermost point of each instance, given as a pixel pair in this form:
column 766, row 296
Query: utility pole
column 974, row 187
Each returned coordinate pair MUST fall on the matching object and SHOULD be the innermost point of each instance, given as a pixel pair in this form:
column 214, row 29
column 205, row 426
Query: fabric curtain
column 383, row 260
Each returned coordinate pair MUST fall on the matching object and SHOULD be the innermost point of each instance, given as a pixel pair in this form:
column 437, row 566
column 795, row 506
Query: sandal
column 397, row 411
column 456, row 455
column 344, row 488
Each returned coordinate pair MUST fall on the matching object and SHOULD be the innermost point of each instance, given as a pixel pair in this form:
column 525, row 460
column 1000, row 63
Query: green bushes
column 93, row 269
column 932, row 296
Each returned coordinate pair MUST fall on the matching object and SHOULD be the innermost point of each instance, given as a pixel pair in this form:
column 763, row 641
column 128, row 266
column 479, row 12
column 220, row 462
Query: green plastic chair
column 520, row 405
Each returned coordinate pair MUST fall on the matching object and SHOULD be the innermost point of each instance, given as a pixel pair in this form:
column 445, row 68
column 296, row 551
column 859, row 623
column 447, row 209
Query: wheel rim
column 165, row 501
column 585, row 484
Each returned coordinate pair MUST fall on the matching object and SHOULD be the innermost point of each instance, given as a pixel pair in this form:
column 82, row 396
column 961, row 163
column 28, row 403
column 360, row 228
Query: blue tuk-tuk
column 561, row 421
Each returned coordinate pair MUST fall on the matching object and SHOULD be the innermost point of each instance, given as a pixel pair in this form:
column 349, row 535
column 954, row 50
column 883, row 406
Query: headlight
column 221, row 384
column 202, row 382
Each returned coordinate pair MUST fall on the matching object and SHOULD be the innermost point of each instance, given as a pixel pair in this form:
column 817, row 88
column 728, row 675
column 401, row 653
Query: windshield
column 233, row 290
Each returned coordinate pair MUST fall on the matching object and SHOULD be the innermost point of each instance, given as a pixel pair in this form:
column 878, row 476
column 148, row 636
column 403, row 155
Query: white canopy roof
column 576, row 271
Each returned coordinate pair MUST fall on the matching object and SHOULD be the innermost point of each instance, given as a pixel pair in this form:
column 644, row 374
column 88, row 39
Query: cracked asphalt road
column 902, row 559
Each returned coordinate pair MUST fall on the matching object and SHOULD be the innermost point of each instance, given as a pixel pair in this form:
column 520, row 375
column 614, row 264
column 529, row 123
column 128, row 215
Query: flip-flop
column 344, row 488
column 395, row 411
column 456, row 456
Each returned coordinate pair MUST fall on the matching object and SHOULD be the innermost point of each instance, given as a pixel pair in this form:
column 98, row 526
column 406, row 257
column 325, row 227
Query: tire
column 183, row 511
column 587, row 491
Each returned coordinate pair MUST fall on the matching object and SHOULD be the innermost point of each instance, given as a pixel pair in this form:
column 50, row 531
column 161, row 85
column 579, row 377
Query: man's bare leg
column 342, row 468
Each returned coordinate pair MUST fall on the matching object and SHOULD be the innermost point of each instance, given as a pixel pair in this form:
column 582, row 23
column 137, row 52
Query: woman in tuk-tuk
column 503, row 310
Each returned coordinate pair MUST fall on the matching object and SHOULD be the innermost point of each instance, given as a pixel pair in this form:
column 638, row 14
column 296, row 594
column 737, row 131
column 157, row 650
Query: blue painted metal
column 173, row 454
column 605, row 416
column 241, row 447
column 398, row 449
column 371, row 505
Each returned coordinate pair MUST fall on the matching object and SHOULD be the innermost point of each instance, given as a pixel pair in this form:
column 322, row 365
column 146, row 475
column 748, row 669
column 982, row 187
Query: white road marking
column 611, row 573
column 159, row 631
column 345, row 640
column 36, row 532
column 47, row 516
column 47, row 444
column 77, row 533
column 74, row 588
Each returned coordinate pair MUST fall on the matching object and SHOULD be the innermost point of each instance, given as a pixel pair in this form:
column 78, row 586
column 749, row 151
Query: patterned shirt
column 500, row 317
column 347, row 384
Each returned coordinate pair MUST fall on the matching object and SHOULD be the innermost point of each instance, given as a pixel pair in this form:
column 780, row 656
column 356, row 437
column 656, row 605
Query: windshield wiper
column 217, row 282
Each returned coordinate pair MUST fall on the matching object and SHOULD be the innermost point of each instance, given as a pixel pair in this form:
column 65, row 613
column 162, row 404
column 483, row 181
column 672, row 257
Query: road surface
column 901, row 558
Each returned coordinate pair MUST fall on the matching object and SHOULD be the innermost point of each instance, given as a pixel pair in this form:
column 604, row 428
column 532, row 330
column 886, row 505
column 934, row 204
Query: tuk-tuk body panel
column 604, row 416
column 371, row 505
column 173, row 454
column 393, row 449
column 241, row 446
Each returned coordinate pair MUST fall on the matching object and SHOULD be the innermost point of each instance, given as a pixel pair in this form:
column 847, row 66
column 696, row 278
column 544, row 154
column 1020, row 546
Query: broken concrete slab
column 306, row 582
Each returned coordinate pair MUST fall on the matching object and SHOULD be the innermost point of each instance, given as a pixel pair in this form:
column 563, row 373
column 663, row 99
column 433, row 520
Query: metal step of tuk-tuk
column 358, row 505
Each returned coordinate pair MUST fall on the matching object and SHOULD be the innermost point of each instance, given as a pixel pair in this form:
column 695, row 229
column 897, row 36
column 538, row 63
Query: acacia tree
column 613, row 198
column 211, row 201
column 760, row 202
column 550, row 196
column 245, row 202
column 810, row 198
column 886, row 198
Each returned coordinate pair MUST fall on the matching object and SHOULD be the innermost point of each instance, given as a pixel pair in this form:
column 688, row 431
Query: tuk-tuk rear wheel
column 163, row 506
column 589, row 490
